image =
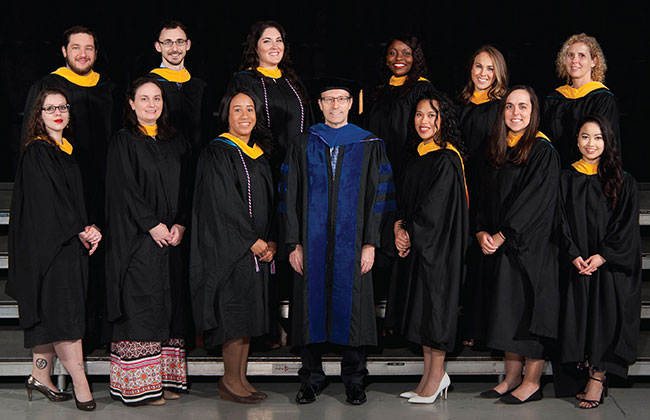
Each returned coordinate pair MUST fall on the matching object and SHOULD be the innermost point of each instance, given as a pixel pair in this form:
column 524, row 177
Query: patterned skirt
column 141, row 369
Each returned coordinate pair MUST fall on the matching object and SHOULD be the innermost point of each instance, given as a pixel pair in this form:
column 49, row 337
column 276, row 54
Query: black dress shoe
column 511, row 399
column 355, row 394
column 307, row 394
column 492, row 393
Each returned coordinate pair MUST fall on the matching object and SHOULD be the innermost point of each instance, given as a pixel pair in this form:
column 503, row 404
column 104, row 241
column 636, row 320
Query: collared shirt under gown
column 147, row 184
column 332, row 210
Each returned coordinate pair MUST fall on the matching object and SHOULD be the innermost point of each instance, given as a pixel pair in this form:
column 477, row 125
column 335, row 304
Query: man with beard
column 184, row 95
column 90, row 97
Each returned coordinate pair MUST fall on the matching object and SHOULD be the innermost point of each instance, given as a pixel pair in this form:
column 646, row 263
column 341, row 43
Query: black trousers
column 353, row 365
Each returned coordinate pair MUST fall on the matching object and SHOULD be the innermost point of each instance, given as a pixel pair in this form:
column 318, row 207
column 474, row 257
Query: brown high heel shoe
column 32, row 384
column 86, row 405
column 227, row 394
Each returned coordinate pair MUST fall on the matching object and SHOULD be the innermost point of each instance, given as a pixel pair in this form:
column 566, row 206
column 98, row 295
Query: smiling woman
column 581, row 62
column 147, row 200
column 232, row 252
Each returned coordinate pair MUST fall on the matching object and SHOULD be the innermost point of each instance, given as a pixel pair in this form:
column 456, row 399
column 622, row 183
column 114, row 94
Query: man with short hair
column 185, row 95
column 91, row 101
column 337, row 191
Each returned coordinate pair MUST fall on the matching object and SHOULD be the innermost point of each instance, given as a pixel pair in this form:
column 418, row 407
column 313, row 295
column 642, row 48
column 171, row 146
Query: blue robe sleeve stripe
column 282, row 187
column 384, row 206
column 284, row 169
column 385, row 169
column 385, row 187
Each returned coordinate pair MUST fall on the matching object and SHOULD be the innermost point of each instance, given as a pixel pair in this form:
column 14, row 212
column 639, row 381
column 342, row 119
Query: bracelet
column 501, row 235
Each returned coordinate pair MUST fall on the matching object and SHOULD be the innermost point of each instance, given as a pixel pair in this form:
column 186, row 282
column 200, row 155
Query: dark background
column 343, row 38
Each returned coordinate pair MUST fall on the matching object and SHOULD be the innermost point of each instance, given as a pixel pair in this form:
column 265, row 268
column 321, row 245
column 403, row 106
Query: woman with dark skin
column 601, row 284
column 515, row 226
column 479, row 104
column 49, row 244
column 232, row 251
column 431, row 236
column 390, row 105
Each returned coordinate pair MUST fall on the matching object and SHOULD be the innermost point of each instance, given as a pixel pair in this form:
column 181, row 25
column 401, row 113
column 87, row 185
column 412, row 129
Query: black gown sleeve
column 536, row 200
column 569, row 247
column 380, row 199
column 184, row 215
column 620, row 246
column 44, row 216
column 222, row 232
column 290, row 195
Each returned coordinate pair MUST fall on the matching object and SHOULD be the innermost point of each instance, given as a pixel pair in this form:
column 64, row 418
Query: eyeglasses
column 329, row 100
column 50, row 109
column 168, row 42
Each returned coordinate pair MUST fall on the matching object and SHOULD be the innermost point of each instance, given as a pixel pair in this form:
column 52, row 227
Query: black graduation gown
column 332, row 216
column 423, row 299
column 188, row 110
column 476, row 123
column 91, row 123
column 561, row 115
column 600, row 313
column 48, row 270
column 521, row 278
column 282, row 110
column 229, row 290
column 146, row 185
column 389, row 117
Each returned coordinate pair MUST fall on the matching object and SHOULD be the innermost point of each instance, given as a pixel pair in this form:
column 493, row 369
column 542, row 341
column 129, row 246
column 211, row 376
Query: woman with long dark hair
column 266, row 69
column 479, row 105
column 147, row 208
column 431, row 235
column 515, row 228
column 601, row 284
column 234, row 242
column 581, row 62
column 49, row 244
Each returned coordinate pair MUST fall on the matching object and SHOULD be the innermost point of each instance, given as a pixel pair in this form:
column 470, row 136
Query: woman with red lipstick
column 486, row 85
column 431, row 236
column 515, row 224
column 49, row 245
column 601, row 285
column 390, row 105
column 147, row 208
column 581, row 63
column 235, row 244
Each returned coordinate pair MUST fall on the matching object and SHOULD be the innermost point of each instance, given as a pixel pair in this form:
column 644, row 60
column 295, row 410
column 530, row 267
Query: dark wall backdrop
column 344, row 38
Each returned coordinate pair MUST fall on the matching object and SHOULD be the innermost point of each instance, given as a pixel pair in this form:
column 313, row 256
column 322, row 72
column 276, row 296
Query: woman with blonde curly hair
column 582, row 64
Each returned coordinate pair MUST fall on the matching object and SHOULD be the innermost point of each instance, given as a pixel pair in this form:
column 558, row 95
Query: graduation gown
column 187, row 105
column 91, row 123
column 284, row 113
column 229, row 287
column 146, row 185
column 48, row 270
column 423, row 299
column 600, row 313
column 476, row 123
column 389, row 116
column 563, row 109
column 521, row 278
column 332, row 214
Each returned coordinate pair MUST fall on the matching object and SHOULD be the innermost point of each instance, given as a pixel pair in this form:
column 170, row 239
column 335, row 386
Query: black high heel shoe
column 603, row 394
column 32, row 384
column 84, row 406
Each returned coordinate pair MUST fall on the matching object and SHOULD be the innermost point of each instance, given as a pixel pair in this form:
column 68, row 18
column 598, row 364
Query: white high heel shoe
column 408, row 394
column 444, row 385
